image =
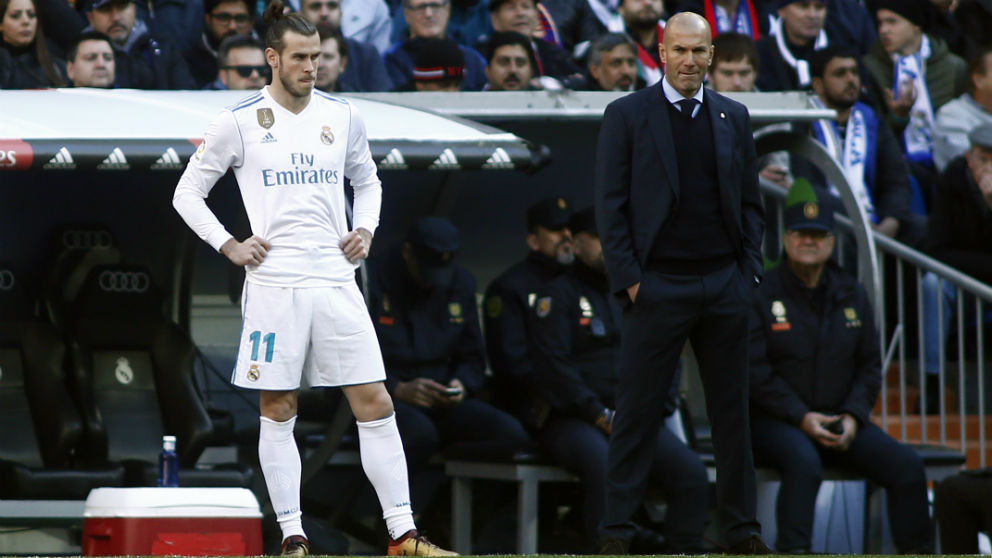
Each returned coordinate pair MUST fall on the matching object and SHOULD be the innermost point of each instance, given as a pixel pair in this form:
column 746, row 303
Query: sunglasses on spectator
column 246, row 71
column 423, row 7
column 224, row 18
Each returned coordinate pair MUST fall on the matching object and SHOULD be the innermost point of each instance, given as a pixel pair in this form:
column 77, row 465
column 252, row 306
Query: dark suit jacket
column 637, row 181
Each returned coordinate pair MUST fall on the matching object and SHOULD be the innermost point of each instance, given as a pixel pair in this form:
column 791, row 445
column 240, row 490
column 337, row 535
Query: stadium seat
column 39, row 426
column 132, row 371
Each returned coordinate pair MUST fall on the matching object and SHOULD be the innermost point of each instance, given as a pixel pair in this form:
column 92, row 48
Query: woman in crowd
column 34, row 64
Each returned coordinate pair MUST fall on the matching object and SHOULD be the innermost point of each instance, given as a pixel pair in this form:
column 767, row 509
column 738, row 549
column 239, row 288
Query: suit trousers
column 710, row 311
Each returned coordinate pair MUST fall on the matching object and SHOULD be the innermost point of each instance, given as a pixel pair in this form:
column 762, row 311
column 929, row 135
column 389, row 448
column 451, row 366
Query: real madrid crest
column 254, row 373
column 811, row 210
column 326, row 137
column 265, row 118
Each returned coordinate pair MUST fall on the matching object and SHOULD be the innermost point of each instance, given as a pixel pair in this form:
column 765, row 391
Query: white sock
column 281, row 467
column 385, row 465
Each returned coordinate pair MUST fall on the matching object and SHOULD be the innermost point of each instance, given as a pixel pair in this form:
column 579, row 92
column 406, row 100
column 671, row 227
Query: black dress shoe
column 751, row 546
column 614, row 547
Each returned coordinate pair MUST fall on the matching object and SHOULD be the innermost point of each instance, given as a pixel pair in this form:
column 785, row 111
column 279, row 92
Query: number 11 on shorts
column 270, row 344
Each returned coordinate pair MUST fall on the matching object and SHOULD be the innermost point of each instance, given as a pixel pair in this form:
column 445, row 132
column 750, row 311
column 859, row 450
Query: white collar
column 674, row 96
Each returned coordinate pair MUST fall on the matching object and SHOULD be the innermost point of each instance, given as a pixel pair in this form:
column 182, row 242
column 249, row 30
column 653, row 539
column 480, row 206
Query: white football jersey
column 290, row 169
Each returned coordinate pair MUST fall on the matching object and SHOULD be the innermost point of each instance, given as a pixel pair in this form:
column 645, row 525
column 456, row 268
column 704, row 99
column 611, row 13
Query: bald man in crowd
column 680, row 219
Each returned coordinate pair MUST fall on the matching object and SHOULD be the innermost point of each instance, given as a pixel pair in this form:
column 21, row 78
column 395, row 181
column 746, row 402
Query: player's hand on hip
column 632, row 291
column 250, row 252
column 356, row 244
column 422, row 392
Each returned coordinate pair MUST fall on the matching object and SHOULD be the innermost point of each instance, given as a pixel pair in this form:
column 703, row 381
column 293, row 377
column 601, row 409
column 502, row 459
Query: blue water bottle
column 168, row 463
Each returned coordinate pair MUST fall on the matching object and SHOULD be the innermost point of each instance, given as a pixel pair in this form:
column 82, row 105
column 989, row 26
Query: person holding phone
column 815, row 375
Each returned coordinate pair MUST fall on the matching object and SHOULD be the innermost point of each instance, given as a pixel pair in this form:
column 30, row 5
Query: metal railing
column 873, row 249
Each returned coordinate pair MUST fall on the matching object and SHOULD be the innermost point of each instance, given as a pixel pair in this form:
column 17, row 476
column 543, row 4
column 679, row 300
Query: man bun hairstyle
column 280, row 23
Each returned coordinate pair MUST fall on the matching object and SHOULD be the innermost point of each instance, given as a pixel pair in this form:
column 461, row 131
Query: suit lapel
column 723, row 137
column 661, row 130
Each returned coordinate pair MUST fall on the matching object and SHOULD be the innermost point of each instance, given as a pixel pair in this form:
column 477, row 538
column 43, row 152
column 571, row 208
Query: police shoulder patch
column 494, row 306
column 543, row 306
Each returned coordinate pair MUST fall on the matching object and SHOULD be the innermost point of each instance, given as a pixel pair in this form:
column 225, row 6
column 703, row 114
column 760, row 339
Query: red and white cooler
column 172, row 521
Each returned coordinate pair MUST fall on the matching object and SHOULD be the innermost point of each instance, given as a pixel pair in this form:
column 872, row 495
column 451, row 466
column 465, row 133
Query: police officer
column 510, row 300
column 576, row 334
column 815, row 376
column 424, row 311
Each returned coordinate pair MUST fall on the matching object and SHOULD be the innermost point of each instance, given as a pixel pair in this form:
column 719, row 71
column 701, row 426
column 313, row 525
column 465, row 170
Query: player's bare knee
column 279, row 406
column 369, row 401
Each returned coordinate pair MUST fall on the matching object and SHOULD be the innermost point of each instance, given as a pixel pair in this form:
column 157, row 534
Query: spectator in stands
column 522, row 16
column 850, row 23
column 90, row 61
column 424, row 310
column 879, row 177
column 511, row 65
column 643, row 21
column 815, row 376
column 367, row 21
column 510, row 301
column 428, row 19
column 960, row 235
column 576, row 336
column 747, row 17
column 365, row 70
column 960, row 116
column 333, row 59
column 6, row 69
column 467, row 21
column 222, row 18
column 241, row 64
column 927, row 75
column 612, row 65
column 32, row 63
column 576, row 23
column 963, row 509
column 785, row 52
column 143, row 61
column 440, row 66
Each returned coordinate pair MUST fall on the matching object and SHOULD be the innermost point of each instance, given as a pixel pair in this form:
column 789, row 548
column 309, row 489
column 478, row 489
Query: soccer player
column 291, row 148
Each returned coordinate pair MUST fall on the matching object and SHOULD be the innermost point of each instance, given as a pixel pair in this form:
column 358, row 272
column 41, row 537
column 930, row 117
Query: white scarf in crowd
column 800, row 66
column 918, row 135
column 606, row 12
column 851, row 152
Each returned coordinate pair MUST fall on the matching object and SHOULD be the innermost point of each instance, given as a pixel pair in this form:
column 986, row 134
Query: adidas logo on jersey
column 62, row 161
column 269, row 138
column 446, row 160
column 498, row 160
column 168, row 161
column 115, row 161
column 393, row 161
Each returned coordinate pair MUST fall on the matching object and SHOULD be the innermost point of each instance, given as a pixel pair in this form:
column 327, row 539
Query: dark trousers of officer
column 873, row 453
column 582, row 448
column 711, row 311
column 963, row 506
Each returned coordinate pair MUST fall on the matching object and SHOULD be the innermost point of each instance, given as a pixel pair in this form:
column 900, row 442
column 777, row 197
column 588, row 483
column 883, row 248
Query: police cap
column 551, row 213
column 434, row 241
column 981, row 136
column 583, row 221
column 90, row 5
column 803, row 209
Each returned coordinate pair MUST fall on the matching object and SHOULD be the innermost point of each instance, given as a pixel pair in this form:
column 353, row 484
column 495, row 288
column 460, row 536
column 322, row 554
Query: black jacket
column 813, row 349
column 25, row 70
column 509, row 304
column 433, row 334
column 152, row 63
column 959, row 232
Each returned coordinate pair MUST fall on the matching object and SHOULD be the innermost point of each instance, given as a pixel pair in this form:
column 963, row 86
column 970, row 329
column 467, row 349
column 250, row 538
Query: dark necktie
column 687, row 106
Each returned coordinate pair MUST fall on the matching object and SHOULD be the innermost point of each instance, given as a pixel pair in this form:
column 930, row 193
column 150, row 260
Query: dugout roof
column 155, row 131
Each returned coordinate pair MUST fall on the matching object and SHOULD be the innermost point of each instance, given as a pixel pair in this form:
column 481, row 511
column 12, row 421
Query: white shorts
column 322, row 334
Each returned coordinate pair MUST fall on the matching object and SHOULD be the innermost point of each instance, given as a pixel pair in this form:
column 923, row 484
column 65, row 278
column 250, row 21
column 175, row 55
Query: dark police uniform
column 576, row 335
column 816, row 350
column 435, row 334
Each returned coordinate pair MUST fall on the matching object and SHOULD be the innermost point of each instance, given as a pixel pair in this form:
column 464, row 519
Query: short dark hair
column 505, row 38
column 607, row 42
column 233, row 42
column 497, row 4
column 209, row 5
column 329, row 32
column 280, row 24
column 73, row 50
column 819, row 60
column 977, row 66
column 731, row 47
